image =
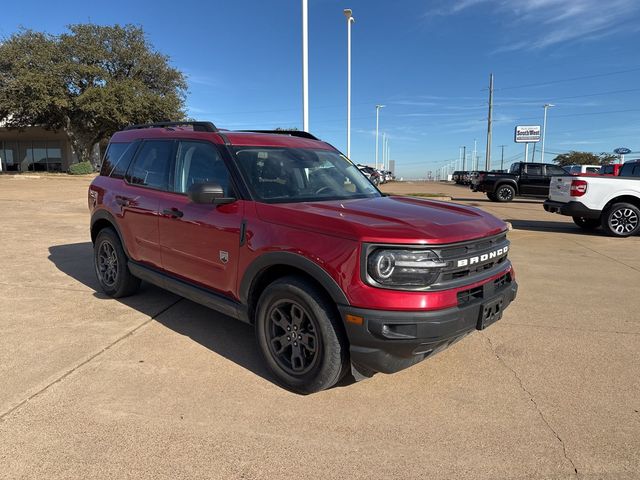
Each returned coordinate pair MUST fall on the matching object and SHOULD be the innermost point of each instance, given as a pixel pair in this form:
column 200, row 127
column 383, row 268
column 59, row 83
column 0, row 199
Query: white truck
column 593, row 200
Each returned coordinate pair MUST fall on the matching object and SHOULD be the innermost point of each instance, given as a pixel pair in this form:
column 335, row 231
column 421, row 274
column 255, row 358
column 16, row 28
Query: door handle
column 172, row 212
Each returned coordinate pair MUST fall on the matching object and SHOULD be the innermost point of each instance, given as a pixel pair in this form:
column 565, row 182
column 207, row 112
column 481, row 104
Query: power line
column 552, row 82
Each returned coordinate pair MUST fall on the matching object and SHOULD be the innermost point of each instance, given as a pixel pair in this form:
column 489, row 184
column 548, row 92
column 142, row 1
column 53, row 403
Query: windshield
column 278, row 174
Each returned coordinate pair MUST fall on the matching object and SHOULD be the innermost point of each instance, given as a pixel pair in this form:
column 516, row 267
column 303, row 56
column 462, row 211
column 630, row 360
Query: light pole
column 384, row 148
column 305, row 67
column 378, row 107
column 348, row 13
column 544, row 126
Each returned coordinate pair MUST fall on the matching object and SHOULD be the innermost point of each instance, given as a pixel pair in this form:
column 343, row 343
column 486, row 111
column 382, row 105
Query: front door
column 200, row 243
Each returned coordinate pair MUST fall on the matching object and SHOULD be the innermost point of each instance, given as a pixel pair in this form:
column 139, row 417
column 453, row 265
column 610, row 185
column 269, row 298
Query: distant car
column 374, row 176
column 611, row 169
column 580, row 169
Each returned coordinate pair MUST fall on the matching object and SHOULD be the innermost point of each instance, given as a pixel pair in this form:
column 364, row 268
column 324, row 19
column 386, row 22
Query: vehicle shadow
column 223, row 335
column 551, row 226
column 486, row 200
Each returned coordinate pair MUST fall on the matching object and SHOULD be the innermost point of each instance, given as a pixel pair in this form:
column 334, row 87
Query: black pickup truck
column 526, row 179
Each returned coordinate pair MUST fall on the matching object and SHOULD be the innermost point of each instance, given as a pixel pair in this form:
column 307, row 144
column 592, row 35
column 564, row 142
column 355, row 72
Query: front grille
column 474, row 253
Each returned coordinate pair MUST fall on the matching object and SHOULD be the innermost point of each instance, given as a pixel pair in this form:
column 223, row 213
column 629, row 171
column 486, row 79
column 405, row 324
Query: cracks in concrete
column 614, row 259
column 86, row 361
column 533, row 401
column 571, row 329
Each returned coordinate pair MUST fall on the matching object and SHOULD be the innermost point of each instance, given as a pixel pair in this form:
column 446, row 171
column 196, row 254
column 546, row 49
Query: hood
column 386, row 219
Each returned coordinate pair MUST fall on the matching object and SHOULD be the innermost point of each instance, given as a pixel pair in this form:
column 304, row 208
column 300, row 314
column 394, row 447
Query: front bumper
column 390, row 341
column 571, row 209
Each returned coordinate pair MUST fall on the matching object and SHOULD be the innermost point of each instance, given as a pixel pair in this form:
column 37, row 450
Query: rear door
column 200, row 243
column 145, row 181
column 533, row 181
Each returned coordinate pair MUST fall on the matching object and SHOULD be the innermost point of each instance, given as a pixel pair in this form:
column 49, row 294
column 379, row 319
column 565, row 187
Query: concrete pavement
column 155, row 386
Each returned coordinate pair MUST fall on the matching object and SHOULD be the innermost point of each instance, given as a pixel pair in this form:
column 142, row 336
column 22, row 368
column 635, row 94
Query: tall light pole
column 384, row 147
column 348, row 13
column 378, row 107
column 305, row 66
column 544, row 126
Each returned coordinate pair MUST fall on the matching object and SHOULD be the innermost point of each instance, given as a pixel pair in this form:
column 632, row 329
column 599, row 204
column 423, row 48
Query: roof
column 257, row 139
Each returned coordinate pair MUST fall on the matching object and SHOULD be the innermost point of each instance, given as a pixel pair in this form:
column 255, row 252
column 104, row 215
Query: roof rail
column 197, row 126
column 292, row 133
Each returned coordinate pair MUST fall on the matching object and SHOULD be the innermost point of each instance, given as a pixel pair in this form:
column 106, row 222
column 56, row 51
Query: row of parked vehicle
column 376, row 176
column 608, row 197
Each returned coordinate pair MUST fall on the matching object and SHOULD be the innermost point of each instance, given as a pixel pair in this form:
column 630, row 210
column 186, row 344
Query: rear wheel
column 300, row 336
column 621, row 220
column 111, row 268
column 587, row 223
column 505, row 193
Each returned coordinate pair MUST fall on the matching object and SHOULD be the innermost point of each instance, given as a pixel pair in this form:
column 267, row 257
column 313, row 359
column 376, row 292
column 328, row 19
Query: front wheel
column 300, row 335
column 621, row 220
column 587, row 223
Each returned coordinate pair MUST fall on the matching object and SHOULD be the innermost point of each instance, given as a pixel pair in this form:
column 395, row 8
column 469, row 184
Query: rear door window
column 117, row 159
column 555, row 170
column 533, row 169
column 150, row 168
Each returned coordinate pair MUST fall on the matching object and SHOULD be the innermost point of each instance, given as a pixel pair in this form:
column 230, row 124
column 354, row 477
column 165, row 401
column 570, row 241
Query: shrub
column 82, row 168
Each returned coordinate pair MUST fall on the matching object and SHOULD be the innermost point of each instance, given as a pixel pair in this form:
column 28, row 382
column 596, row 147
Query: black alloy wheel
column 621, row 220
column 111, row 267
column 301, row 335
column 107, row 263
column 505, row 193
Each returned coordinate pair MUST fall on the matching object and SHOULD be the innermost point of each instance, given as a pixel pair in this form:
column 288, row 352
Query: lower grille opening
column 502, row 281
column 466, row 296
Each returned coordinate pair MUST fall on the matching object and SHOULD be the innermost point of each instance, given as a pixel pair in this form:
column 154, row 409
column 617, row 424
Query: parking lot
column 154, row 386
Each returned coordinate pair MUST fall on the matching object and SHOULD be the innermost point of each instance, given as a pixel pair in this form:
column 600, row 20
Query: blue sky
column 428, row 62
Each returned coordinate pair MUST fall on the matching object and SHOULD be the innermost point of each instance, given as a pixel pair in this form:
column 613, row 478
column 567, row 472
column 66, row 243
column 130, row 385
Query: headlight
column 397, row 268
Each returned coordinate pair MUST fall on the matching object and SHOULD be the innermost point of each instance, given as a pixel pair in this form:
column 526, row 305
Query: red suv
column 280, row 230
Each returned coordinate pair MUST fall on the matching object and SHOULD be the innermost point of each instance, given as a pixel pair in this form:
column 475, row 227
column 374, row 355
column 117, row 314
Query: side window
column 626, row 170
column 515, row 168
column 533, row 169
column 117, row 159
column 151, row 165
column 554, row 170
column 199, row 162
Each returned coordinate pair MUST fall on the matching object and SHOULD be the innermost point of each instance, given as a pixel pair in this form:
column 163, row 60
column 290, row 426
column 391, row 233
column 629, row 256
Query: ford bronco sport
column 282, row 231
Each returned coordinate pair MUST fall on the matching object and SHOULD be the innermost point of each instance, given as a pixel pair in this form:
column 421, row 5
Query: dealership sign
column 622, row 151
column 527, row 133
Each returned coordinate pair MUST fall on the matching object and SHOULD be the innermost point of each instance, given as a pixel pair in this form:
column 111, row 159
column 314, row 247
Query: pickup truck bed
column 592, row 201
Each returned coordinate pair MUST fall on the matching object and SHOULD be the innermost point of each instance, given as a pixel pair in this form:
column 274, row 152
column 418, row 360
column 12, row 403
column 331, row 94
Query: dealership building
column 35, row 149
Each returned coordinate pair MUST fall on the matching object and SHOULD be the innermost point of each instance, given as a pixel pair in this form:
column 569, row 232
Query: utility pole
column 475, row 150
column 502, row 157
column 349, row 14
column 464, row 157
column 378, row 107
column 487, row 161
column 305, row 67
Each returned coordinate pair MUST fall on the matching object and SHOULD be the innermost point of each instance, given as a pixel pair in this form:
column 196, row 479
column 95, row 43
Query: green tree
column 607, row 158
column 89, row 82
column 577, row 158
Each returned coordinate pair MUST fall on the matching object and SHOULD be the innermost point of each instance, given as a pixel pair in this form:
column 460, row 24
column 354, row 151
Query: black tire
column 492, row 197
column 621, row 220
column 318, row 358
column 505, row 193
column 110, row 264
column 587, row 223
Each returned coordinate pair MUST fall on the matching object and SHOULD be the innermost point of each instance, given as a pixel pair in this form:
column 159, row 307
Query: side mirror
column 208, row 193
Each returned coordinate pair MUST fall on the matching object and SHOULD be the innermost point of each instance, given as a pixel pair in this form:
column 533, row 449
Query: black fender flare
column 291, row 260
column 106, row 215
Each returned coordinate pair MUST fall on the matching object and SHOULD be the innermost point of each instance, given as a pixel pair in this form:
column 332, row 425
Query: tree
column 577, row 158
column 89, row 82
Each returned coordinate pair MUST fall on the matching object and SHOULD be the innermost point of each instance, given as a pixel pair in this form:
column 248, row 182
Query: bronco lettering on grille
column 482, row 258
